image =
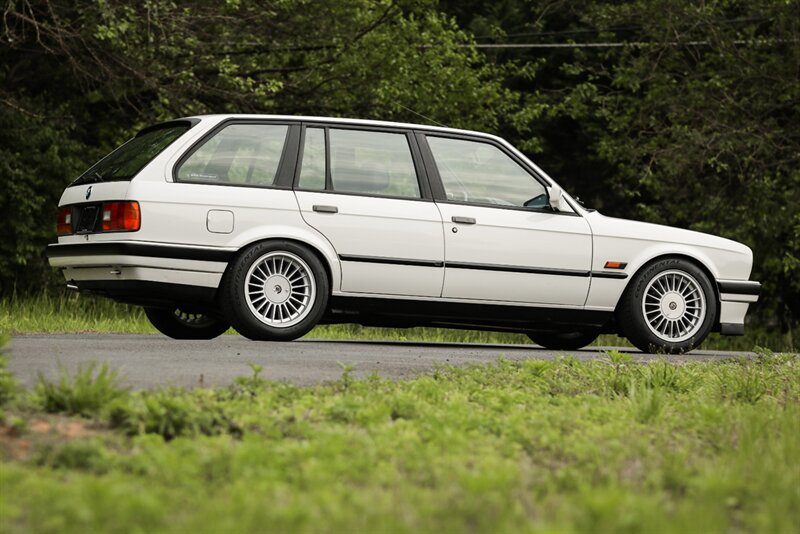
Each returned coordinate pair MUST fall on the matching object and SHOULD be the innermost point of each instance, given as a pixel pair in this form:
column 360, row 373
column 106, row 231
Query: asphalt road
column 146, row 361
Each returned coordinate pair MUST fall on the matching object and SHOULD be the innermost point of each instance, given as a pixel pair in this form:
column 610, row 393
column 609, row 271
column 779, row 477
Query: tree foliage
column 690, row 119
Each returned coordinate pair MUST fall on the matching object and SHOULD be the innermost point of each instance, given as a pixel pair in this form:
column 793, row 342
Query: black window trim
column 423, row 181
column 286, row 165
column 437, row 185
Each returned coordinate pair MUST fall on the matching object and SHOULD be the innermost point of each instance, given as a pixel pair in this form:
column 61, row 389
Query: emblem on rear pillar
column 88, row 192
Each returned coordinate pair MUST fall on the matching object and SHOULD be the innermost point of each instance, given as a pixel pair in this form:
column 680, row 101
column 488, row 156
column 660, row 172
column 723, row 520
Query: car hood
column 603, row 226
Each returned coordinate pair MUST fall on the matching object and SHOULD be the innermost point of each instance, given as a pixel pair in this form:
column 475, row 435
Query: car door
column 362, row 190
column 502, row 240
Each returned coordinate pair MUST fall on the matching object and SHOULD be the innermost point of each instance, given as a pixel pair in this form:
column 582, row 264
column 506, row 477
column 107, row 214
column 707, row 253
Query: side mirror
column 555, row 197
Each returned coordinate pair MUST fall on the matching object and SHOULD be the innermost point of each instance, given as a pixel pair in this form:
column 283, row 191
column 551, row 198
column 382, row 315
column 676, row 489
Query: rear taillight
column 121, row 216
column 64, row 221
column 113, row 217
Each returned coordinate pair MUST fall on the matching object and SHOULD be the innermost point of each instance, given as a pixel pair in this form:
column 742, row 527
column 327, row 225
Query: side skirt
column 401, row 313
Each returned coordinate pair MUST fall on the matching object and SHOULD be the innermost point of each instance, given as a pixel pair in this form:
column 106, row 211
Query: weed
column 87, row 394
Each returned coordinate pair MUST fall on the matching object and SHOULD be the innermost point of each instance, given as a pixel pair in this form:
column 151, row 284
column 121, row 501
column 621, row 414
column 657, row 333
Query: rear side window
column 241, row 154
column 126, row 161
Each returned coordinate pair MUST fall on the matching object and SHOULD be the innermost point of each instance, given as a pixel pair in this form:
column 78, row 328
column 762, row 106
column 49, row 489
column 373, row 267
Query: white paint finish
column 732, row 312
column 518, row 238
column 637, row 243
column 732, row 297
column 100, row 192
column 384, row 228
column 149, row 274
column 219, row 221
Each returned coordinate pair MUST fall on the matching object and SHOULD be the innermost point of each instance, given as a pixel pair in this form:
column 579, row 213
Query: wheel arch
column 675, row 255
column 322, row 257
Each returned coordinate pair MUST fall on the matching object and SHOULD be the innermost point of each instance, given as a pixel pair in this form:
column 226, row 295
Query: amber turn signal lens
column 615, row 265
column 64, row 221
column 121, row 217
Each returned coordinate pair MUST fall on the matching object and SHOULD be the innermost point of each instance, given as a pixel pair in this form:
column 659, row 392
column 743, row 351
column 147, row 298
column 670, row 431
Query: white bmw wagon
column 273, row 224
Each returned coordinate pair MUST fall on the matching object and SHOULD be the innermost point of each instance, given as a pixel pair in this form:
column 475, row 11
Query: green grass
column 531, row 446
column 71, row 313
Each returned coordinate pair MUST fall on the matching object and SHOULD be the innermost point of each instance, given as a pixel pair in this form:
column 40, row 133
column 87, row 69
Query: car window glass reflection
column 246, row 154
column 377, row 163
column 481, row 173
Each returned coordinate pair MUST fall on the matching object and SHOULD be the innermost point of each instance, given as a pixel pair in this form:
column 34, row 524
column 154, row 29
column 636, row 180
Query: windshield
column 126, row 161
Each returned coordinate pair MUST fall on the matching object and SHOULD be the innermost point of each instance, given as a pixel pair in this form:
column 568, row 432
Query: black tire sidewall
column 234, row 304
column 631, row 318
column 564, row 341
column 165, row 321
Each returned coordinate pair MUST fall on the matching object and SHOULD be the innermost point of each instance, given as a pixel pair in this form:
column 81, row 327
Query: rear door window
column 238, row 154
column 364, row 162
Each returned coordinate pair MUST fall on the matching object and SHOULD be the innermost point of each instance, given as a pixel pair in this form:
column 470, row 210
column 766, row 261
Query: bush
column 87, row 394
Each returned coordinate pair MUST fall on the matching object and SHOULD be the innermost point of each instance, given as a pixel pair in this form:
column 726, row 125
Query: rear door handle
column 325, row 209
column 463, row 220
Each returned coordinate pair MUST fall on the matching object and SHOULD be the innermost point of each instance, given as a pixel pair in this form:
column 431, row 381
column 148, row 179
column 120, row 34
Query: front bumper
column 735, row 296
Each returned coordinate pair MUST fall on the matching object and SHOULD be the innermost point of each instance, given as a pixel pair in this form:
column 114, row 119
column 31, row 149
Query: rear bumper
column 142, row 272
column 735, row 297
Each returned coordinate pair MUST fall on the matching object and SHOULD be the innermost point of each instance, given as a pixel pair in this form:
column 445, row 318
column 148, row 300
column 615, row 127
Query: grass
column 530, row 446
column 70, row 313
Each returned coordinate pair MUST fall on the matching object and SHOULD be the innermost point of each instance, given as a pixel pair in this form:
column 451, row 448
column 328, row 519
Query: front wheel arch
column 697, row 263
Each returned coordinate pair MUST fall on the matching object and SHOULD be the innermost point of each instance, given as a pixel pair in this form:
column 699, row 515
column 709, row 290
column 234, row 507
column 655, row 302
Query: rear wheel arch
column 323, row 259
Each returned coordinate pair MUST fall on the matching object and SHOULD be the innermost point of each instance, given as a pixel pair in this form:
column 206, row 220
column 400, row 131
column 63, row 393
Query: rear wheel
column 564, row 340
column 180, row 324
column 669, row 306
column 275, row 291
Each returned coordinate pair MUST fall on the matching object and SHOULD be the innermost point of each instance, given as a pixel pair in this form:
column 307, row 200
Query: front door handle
column 325, row 209
column 463, row 220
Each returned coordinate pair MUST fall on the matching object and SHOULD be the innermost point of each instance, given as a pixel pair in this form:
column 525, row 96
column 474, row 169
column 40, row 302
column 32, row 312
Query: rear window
column 126, row 161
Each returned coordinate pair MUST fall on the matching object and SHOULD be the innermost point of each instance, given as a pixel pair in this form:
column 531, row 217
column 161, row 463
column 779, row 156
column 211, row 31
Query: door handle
column 463, row 220
column 325, row 209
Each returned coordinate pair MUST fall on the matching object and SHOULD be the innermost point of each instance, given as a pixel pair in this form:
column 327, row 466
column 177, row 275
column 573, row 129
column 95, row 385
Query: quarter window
column 377, row 163
column 244, row 154
column 312, row 171
column 481, row 173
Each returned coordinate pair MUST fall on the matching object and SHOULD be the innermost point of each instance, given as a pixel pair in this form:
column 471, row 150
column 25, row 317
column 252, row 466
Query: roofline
column 342, row 120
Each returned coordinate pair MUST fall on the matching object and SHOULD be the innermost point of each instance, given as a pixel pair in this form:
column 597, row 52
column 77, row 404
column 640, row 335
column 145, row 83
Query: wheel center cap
column 277, row 289
column 672, row 305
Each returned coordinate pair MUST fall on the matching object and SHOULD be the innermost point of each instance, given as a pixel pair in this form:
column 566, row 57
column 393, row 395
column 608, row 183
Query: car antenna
column 421, row 115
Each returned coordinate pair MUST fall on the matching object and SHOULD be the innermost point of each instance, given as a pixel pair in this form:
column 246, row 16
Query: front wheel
column 180, row 324
column 275, row 291
column 669, row 306
column 564, row 340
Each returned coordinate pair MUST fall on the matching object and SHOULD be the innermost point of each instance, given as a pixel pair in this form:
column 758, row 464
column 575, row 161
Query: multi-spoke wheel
column 669, row 306
column 181, row 324
column 275, row 291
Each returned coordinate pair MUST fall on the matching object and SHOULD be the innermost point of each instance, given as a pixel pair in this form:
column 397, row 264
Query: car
column 274, row 224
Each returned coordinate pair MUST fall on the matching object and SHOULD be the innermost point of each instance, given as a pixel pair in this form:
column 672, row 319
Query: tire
column 563, row 340
column 669, row 307
column 179, row 324
column 274, row 291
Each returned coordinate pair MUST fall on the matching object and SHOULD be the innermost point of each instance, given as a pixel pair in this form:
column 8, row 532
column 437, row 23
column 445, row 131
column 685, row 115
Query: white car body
column 390, row 253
